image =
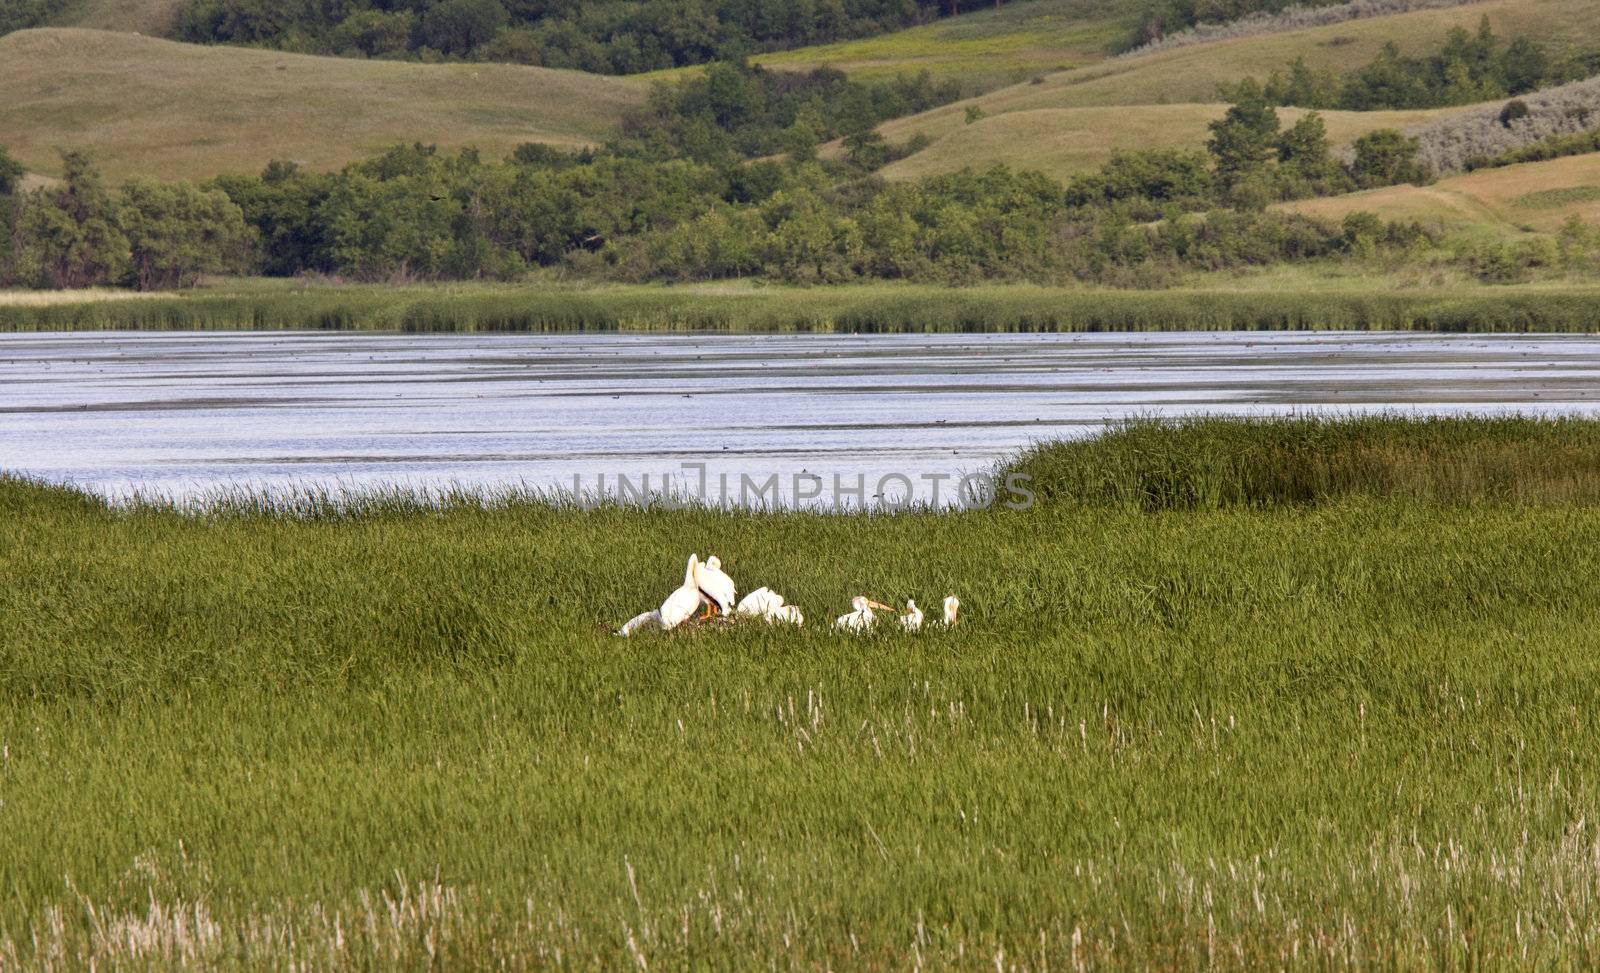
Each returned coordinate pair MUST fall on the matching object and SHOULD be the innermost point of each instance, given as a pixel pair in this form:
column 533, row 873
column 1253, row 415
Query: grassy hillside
column 985, row 48
column 1537, row 196
column 1063, row 142
column 1164, row 83
column 155, row 107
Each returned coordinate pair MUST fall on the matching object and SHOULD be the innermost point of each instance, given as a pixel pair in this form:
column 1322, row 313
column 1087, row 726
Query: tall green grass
column 1212, row 463
column 865, row 308
column 1350, row 733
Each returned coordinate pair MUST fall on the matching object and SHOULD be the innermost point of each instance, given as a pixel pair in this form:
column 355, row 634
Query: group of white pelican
column 709, row 592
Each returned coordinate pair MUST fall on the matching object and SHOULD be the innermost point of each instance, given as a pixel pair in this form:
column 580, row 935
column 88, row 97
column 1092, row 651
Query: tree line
column 1163, row 17
column 740, row 110
column 144, row 234
column 616, row 37
column 414, row 213
column 1467, row 68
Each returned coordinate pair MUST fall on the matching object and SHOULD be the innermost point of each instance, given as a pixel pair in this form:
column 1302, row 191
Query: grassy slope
column 1536, row 196
column 155, row 107
column 1190, row 739
column 985, row 48
column 1188, row 75
column 1064, row 142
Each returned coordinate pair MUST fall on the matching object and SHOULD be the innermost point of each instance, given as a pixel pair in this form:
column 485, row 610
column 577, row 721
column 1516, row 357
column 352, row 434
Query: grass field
column 983, row 49
column 1349, row 730
column 158, row 108
column 1064, row 142
column 1154, row 86
column 1532, row 197
column 1359, row 298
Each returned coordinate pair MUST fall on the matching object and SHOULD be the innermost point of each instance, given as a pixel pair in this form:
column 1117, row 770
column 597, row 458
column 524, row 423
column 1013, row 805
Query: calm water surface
column 185, row 414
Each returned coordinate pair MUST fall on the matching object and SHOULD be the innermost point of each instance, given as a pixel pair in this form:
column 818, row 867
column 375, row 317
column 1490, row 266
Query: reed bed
column 1209, row 464
column 867, row 308
column 1342, row 725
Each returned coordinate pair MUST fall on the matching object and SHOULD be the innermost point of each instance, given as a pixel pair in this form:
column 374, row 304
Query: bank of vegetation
column 1214, row 464
column 654, row 207
column 857, row 308
column 1467, row 68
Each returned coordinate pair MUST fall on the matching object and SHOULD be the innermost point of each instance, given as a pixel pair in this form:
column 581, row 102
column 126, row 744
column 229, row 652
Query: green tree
column 11, row 173
column 1245, row 138
column 1387, row 158
column 69, row 235
column 457, row 26
column 177, row 232
column 1306, row 160
column 1525, row 66
column 866, row 150
column 374, row 33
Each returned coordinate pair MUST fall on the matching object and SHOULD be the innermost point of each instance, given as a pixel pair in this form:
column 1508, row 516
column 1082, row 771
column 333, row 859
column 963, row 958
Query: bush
column 1514, row 110
column 1386, row 158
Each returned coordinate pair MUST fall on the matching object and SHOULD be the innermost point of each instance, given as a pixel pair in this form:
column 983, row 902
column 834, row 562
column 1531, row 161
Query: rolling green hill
column 153, row 107
column 1170, row 92
column 985, row 48
column 1063, row 142
column 1535, row 197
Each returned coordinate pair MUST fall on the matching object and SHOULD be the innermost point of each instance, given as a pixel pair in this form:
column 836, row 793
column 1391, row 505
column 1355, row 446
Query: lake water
column 189, row 414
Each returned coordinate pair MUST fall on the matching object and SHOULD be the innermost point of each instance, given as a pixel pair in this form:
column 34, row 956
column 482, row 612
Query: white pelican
column 952, row 605
column 681, row 605
column 716, row 585
column 759, row 603
column 862, row 618
column 911, row 621
column 649, row 619
column 769, row 605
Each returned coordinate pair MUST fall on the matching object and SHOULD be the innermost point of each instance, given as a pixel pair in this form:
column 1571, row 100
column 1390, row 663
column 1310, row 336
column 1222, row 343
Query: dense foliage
column 414, row 213
column 1166, row 17
column 22, row 14
column 1554, row 147
column 1543, row 125
column 617, row 37
column 1467, row 68
column 737, row 109
column 146, row 234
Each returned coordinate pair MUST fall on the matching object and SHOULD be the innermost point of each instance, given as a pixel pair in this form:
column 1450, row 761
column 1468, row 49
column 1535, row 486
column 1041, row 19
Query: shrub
column 1514, row 110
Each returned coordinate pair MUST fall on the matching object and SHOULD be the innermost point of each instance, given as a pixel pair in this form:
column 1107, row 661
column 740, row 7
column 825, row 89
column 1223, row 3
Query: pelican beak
column 879, row 606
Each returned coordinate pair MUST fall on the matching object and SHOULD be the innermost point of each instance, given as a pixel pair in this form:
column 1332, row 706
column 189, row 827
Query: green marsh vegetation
column 1297, row 303
column 1337, row 725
